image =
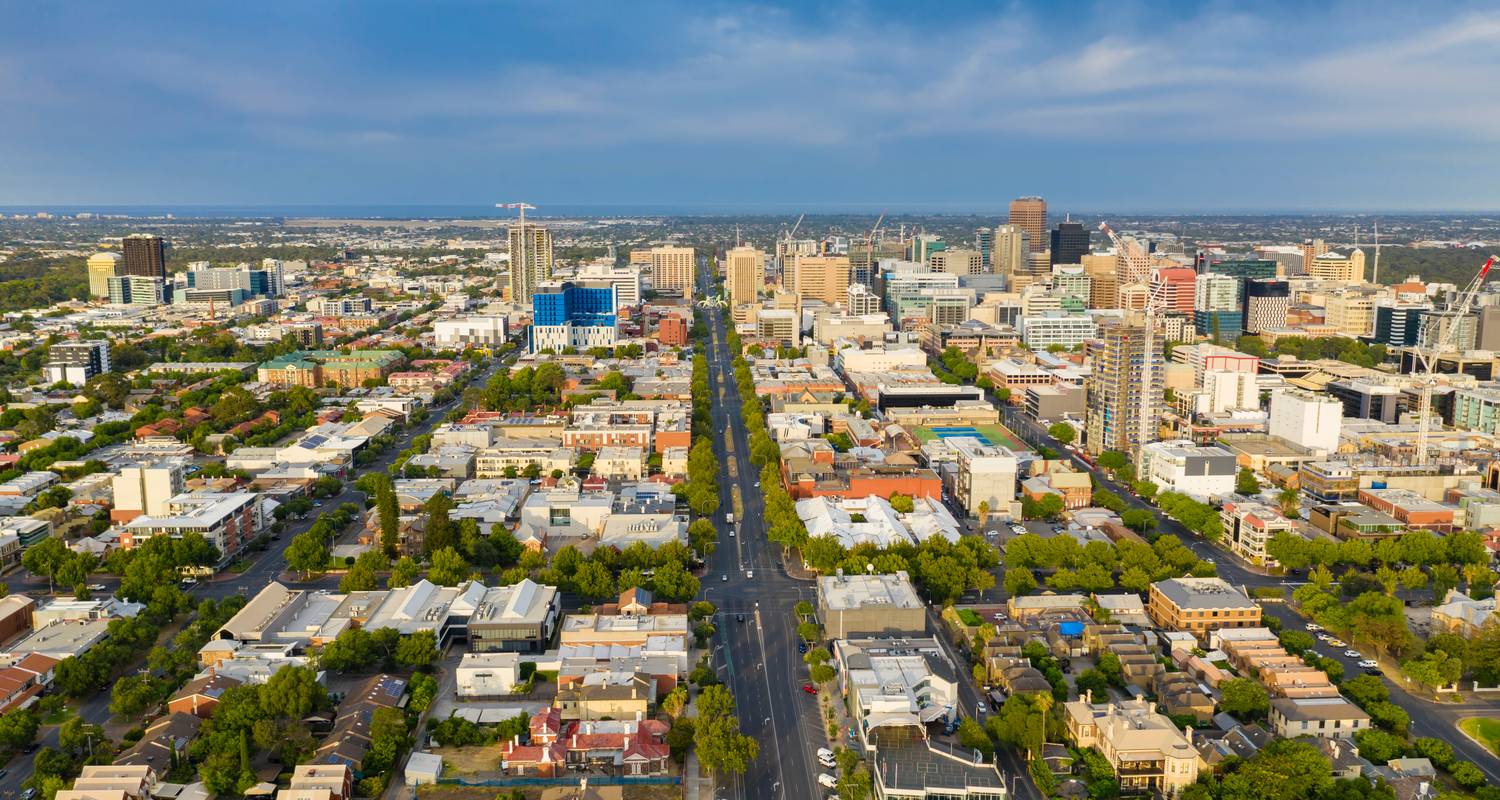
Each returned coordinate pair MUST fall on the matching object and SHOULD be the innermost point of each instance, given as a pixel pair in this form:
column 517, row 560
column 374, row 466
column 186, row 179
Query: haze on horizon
column 1183, row 106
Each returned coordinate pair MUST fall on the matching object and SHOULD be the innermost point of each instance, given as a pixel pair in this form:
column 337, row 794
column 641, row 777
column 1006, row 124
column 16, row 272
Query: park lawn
column 1485, row 729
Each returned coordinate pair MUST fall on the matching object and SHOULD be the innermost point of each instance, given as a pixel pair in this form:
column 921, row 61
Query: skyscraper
column 744, row 273
column 530, row 261
column 672, row 269
column 1012, row 245
column 145, row 255
column 1114, row 388
column 1266, row 303
column 1030, row 215
column 984, row 242
column 102, row 267
column 1070, row 243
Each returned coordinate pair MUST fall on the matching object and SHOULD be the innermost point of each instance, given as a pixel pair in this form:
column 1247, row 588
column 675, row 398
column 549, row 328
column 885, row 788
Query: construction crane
column 1427, row 361
column 1137, row 269
column 870, row 244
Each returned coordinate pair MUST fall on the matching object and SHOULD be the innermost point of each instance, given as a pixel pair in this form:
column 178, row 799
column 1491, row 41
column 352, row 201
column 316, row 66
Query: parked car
column 723, row 578
column 809, row 688
column 1373, row 672
column 827, row 781
column 1369, row 663
column 1313, row 626
column 1353, row 654
column 1336, row 643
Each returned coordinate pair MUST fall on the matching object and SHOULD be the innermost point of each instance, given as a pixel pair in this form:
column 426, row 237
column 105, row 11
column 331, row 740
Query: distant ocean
column 454, row 211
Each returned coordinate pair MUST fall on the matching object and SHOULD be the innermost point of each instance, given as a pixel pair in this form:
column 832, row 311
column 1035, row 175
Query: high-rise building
column 823, row 278
column 1104, row 279
column 744, row 273
column 146, row 489
column 626, row 280
column 77, row 362
column 1070, row 243
column 145, row 255
column 1030, row 215
column 1351, row 311
column 957, row 261
column 1242, row 267
column 1306, row 419
column 1266, row 304
column 1217, row 310
column 922, row 246
column 672, row 269
column 984, row 242
column 139, row 290
column 1435, row 326
column 1012, row 246
column 860, row 300
column 530, row 261
column 102, row 267
column 1114, row 388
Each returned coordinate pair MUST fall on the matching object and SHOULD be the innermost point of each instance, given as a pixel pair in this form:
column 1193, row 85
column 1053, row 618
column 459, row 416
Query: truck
column 729, row 518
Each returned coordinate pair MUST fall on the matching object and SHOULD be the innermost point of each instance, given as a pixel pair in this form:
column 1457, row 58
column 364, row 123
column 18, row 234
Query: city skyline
column 1167, row 107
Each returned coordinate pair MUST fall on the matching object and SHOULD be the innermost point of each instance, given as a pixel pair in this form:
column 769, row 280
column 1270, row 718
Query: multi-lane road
column 268, row 566
column 1437, row 720
column 755, row 650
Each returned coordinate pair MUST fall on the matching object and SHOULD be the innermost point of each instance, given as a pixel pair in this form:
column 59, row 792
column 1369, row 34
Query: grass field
column 1485, row 729
column 996, row 434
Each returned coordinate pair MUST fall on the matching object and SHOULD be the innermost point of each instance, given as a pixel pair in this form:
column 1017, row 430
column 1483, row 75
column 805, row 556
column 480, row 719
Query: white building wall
column 1311, row 421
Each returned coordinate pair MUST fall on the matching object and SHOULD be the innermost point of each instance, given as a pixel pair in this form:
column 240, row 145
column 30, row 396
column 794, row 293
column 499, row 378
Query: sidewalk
column 696, row 786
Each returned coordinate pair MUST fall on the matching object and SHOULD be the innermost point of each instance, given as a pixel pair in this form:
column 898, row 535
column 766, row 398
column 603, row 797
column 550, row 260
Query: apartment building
column 1321, row 717
column 1248, row 524
column 1148, row 752
column 672, row 269
column 855, row 606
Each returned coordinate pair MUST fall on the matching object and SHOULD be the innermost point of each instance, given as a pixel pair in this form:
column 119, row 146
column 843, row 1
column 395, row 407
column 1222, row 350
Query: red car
column 809, row 688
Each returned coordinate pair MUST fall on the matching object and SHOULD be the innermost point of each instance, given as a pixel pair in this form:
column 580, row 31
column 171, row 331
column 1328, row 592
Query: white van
column 827, row 781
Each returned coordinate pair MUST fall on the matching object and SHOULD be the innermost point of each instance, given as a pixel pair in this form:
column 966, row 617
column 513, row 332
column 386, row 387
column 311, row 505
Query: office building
column 1477, row 408
column 102, row 267
column 922, row 246
column 1114, row 389
column 1200, row 605
column 1306, row 419
column 475, row 330
column 530, row 260
column 1070, row 243
column 1104, row 279
column 1266, row 304
column 861, row 301
column 626, row 280
column 144, row 256
column 1433, row 328
column 1397, row 325
column 76, row 362
column 139, row 290
column 1202, row 472
column 957, row 261
column 1012, row 245
column 1248, row 524
column 1489, row 329
column 853, row 606
column 824, row 278
column 1243, row 268
column 573, row 314
column 744, row 273
column 672, row 269
column 1311, row 249
column 521, row 617
column 1176, row 287
column 984, row 242
column 1068, row 330
column 1352, row 312
column 1337, row 267
column 1030, row 215
column 986, row 476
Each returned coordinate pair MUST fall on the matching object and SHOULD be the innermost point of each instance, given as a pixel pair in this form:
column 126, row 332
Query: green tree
column 403, row 573
column 1379, row 746
column 293, row 693
column 593, row 581
column 1062, row 432
column 448, row 568
column 308, row 553
column 1245, row 698
column 721, row 748
column 973, row 736
column 1246, row 483
column 441, row 530
column 417, row 650
column 1434, row 669
column 1019, row 582
column 1285, row 769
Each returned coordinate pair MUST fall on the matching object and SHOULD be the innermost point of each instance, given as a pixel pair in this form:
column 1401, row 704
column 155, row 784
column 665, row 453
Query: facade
column 145, row 489
column 862, row 302
column 1396, row 325
column 626, row 280
column 1012, row 246
column 1200, row 472
column 1114, row 388
column 1200, row 605
column 1030, row 215
column 824, row 278
column 228, row 520
column 1320, row 717
column 672, row 269
column 1070, row 243
column 1149, row 754
column 1337, row 267
column 530, row 260
column 518, row 618
column 1477, row 408
column 1247, row 525
column 144, row 256
column 1266, row 305
column 138, row 290
column 77, row 362
column 986, row 476
column 855, row 606
column 957, row 261
column 1306, row 419
column 1041, row 332
column 475, row 330
column 744, row 273
column 317, row 368
column 102, row 267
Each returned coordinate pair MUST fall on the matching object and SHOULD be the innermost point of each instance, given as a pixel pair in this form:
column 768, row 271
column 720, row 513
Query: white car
column 1353, row 654
column 1369, row 663
column 1323, row 637
column 824, row 752
column 1313, row 626
column 979, row 708
column 827, row 762
column 827, row 781
column 750, row 574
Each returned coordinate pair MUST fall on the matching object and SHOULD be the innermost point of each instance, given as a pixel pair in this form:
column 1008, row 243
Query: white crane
column 1427, row 361
column 1137, row 268
column 870, row 244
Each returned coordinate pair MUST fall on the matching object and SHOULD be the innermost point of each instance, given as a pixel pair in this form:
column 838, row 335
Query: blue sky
column 958, row 106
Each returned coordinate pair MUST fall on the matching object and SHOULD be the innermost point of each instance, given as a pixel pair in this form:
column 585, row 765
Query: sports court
column 988, row 434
